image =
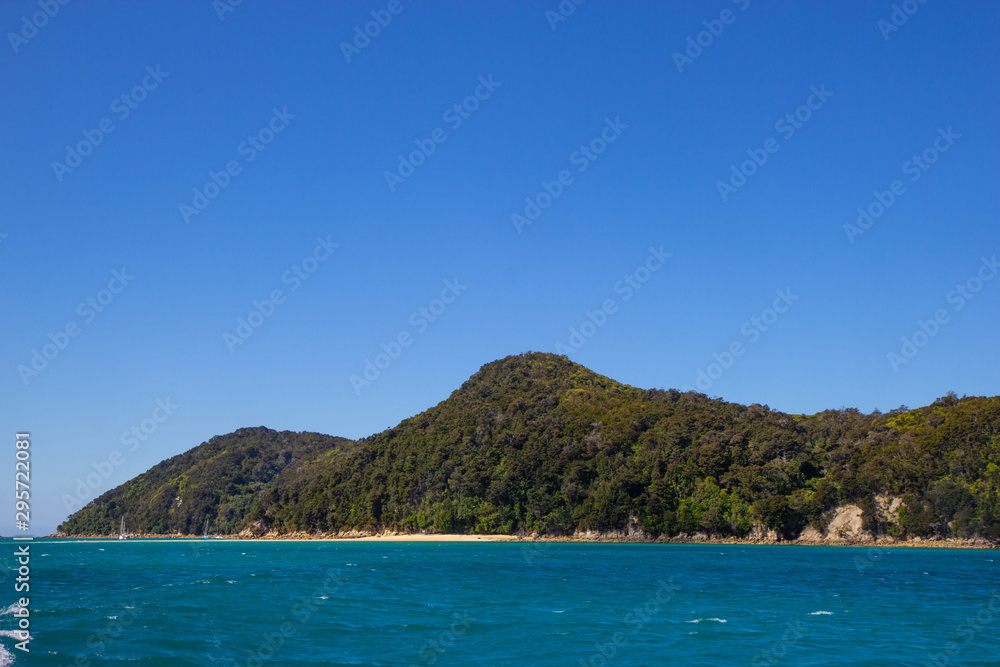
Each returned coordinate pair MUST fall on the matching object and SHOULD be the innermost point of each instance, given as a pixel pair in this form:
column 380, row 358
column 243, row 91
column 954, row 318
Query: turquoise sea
column 215, row 602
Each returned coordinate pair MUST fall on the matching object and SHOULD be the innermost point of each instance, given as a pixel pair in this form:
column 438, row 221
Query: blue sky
column 640, row 137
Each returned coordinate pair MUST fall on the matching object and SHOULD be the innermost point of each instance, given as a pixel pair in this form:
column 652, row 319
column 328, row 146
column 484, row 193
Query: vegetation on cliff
column 537, row 443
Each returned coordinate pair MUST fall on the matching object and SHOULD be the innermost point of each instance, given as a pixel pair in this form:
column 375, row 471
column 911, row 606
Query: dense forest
column 536, row 443
column 218, row 481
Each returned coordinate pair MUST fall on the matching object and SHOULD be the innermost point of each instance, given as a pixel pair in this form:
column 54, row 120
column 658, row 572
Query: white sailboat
column 206, row 528
column 121, row 531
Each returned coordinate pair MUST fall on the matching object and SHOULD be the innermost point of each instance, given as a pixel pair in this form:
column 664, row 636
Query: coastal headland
column 537, row 446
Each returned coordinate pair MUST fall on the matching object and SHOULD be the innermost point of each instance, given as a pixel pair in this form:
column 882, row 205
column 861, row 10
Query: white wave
column 561, row 611
column 822, row 613
column 15, row 634
column 11, row 609
column 699, row 620
column 5, row 657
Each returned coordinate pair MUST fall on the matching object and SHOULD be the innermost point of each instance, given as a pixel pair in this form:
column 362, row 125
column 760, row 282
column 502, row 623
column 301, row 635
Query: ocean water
column 218, row 602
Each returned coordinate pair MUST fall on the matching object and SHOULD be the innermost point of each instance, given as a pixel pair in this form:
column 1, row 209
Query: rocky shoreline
column 844, row 528
column 613, row 537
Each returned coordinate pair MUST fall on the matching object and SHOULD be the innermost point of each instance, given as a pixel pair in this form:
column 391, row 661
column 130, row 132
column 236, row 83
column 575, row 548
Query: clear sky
column 508, row 169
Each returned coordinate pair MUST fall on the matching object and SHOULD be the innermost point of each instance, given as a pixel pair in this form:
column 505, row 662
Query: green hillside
column 537, row 443
column 218, row 480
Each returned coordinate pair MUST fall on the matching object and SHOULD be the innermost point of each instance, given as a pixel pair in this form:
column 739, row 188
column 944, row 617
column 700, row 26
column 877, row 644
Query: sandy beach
column 419, row 537
column 437, row 538
column 698, row 539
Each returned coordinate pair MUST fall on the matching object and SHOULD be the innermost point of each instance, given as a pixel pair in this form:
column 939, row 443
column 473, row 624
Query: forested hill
column 537, row 443
column 218, row 480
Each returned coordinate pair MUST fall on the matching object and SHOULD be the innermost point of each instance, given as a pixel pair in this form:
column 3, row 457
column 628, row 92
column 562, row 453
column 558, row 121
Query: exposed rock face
column 255, row 530
column 759, row 533
column 846, row 525
column 887, row 508
column 634, row 532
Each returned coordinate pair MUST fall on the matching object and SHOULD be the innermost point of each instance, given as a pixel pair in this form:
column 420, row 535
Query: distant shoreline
column 918, row 543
